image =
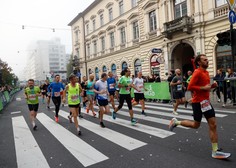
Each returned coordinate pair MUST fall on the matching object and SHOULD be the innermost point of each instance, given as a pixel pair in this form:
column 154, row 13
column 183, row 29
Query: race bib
column 111, row 86
column 205, row 105
column 74, row 98
column 56, row 94
column 179, row 87
column 32, row 97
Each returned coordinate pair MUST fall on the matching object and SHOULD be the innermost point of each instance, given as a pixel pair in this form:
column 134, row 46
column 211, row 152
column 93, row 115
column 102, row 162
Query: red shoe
column 87, row 110
column 56, row 119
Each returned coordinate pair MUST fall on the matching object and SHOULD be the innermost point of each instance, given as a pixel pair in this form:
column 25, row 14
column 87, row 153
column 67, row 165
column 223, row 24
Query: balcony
column 180, row 24
column 221, row 11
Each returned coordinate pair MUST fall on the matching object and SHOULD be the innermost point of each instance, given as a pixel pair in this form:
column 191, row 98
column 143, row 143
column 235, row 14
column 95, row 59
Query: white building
column 47, row 58
column 112, row 34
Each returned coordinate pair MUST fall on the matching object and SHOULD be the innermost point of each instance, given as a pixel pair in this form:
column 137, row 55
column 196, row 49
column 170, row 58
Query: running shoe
column 220, row 155
column 102, row 125
column 94, row 114
column 219, row 100
column 79, row 133
column 87, row 110
column 81, row 116
column 114, row 115
column 175, row 113
column 223, row 105
column 56, row 119
column 70, row 118
column 186, row 104
column 173, row 124
column 133, row 121
column 35, row 128
column 48, row 107
column 143, row 113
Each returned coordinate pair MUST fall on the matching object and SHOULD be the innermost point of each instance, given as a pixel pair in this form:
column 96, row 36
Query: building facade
column 113, row 34
column 47, row 58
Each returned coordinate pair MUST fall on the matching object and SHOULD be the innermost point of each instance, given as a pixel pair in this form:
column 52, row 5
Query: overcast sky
column 38, row 18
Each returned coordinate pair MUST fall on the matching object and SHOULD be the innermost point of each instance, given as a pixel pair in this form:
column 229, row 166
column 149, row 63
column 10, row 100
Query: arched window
column 113, row 69
column 90, row 71
column 104, row 69
column 137, row 66
column 155, row 66
column 96, row 73
column 124, row 65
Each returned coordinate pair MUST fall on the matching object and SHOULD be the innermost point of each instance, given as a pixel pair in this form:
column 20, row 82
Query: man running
column 84, row 87
column 31, row 95
column 139, row 95
column 55, row 89
column 125, row 83
column 90, row 94
column 200, row 85
column 111, row 83
column 73, row 89
column 44, row 92
column 102, row 97
column 178, row 90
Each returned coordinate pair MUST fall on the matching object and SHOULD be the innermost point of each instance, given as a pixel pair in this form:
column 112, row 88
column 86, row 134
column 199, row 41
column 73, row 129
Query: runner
column 178, row 90
column 111, row 83
column 90, row 93
column 117, row 88
column 44, row 92
column 139, row 95
column 31, row 95
column 125, row 83
column 200, row 85
column 84, row 87
column 102, row 97
column 55, row 89
column 74, row 89
column 188, row 94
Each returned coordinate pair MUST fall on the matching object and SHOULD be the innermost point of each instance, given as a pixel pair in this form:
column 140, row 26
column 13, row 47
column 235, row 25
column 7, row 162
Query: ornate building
column 113, row 34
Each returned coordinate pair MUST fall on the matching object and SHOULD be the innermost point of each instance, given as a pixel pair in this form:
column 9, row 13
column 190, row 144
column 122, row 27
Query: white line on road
column 113, row 136
column 16, row 112
column 28, row 153
column 138, row 127
column 82, row 151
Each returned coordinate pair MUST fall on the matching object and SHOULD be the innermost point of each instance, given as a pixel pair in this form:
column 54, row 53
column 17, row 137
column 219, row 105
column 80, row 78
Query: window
column 94, row 25
column 121, row 7
column 223, row 57
column 135, row 30
column 104, row 69
column 137, row 67
column 97, row 73
column 87, row 29
column 220, row 2
column 134, row 3
column 76, row 36
column 122, row 35
column 124, row 65
column 103, row 43
column 112, row 39
column 110, row 14
column 180, row 8
column 95, row 47
column 152, row 21
column 88, row 49
column 113, row 69
column 101, row 20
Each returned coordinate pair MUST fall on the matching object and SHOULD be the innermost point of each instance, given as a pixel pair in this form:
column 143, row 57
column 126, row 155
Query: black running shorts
column 197, row 112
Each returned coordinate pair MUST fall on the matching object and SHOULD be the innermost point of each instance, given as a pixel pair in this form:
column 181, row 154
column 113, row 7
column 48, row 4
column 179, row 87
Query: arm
column 64, row 93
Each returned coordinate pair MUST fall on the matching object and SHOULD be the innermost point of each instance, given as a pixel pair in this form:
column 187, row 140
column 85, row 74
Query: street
column 149, row 144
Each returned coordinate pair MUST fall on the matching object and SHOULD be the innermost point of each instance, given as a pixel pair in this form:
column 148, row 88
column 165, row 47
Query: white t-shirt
column 138, row 82
column 99, row 86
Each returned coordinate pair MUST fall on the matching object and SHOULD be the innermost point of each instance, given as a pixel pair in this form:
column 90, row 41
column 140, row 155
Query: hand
column 64, row 100
column 214, row 85
column 178, row 82
column 207, row 87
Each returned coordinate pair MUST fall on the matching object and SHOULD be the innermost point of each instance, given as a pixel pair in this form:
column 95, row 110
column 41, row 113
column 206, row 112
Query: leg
column 112, row 101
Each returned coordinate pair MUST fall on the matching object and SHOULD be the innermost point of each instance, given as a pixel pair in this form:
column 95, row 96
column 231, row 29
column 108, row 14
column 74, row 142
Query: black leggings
column 124, row 97
column 57, row 103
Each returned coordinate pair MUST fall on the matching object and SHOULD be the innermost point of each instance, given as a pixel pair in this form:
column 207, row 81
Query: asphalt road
column 149, row 144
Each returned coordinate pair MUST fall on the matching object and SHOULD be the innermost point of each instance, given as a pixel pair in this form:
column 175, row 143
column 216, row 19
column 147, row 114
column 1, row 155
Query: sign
column 232, row 17
column 231, row 4
column 156, row 50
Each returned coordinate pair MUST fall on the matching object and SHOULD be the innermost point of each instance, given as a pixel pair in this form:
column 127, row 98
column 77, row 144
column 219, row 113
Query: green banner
column 158, row 90
column 6, row 94
column 1, row 105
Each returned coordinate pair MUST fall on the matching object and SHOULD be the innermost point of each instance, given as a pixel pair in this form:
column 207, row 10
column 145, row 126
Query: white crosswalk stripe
column 113, row 136
column 86, row 154
column 28, row 153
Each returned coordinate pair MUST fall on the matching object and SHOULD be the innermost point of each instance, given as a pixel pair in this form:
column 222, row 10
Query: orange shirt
column 200, row 78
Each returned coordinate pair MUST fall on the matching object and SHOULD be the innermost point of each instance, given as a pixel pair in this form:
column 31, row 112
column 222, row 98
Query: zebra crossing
column 29, row 154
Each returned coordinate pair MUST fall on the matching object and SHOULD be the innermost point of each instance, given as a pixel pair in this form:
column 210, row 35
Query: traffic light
column 224, row 38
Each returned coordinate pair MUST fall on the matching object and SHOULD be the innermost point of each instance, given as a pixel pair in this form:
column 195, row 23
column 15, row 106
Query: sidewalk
column 216, row 104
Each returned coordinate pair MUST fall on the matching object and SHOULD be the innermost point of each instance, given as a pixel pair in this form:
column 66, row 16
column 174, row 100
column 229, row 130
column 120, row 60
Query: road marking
column 18, row 99
column 171, row 106
column 113, row 136
column 148, row 118
column 138, row 127
column 28, row 153
column 83, row 152
column 16, row 112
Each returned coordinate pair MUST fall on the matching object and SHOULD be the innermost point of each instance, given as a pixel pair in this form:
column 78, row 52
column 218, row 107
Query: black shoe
column 80, row 116
column 48, row 107
column 102, row 125
column 186, row 104
column 143, row 113
column 70, row 118
column 35, row 128
column 79, row 133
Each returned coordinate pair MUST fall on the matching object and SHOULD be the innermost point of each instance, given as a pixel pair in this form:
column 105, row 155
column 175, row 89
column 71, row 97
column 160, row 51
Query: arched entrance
column 124, row 65
column 182, row 55
column 113, row 69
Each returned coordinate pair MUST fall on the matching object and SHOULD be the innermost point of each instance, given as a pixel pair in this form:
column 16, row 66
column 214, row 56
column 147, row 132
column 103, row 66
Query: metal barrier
column 5, row 97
